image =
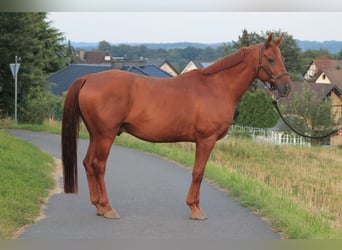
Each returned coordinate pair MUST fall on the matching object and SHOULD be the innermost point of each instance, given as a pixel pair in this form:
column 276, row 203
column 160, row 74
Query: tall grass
column 25, row 178
column 309, row 178
column 312, row 175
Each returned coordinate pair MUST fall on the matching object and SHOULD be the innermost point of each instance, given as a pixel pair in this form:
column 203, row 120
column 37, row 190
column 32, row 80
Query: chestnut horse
column 197, row 106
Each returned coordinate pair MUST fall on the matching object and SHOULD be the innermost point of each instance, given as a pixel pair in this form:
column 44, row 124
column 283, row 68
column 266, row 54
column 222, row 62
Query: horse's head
column 271, row 69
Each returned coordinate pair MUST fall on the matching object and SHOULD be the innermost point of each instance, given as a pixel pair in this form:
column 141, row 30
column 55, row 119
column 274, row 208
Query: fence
column 272, row 136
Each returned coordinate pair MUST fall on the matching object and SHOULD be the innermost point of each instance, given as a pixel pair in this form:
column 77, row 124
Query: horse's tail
column 70, row 129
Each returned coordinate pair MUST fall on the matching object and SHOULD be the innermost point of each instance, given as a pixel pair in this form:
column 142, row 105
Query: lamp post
column 14, row 69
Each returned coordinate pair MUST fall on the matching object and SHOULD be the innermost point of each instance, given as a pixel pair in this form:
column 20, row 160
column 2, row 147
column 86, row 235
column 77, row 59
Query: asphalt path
column 149, row 194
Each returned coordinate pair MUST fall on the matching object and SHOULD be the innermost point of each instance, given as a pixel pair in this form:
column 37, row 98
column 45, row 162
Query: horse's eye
column 270, row 60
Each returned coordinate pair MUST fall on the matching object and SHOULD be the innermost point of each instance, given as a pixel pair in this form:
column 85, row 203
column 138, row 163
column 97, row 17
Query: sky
column 202, row 27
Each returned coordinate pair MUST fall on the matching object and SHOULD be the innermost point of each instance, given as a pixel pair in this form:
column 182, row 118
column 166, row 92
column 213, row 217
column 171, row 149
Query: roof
column 157, row 62
column 163, row 64
column 65, row 77
column 201, row 65
column 322, row 90
column 134, row 69
column 153, row 70
column 195, row 64
column 332, row 69
column 93, row 57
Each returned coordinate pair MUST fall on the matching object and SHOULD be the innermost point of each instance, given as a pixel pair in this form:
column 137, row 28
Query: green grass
column 298, row 190
column 25, row 180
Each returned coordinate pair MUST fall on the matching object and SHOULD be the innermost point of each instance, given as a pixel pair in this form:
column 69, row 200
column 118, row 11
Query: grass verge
column 25, row 181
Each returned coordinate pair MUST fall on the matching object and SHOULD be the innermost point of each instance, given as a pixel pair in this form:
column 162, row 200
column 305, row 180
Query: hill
column 333, row 46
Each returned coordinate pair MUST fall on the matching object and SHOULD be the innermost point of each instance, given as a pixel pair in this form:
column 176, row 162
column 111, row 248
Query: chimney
column 82, row 54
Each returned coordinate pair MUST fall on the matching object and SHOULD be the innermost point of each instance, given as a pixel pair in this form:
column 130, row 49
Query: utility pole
column 14, row 69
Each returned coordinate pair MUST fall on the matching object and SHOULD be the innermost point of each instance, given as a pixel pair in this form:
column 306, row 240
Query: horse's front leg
column 203, row 150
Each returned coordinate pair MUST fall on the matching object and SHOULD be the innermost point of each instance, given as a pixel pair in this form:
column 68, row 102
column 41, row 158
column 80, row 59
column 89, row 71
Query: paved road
column 149, row 194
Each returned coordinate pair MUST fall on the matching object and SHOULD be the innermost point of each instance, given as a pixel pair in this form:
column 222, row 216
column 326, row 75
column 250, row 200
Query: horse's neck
column 236, row 80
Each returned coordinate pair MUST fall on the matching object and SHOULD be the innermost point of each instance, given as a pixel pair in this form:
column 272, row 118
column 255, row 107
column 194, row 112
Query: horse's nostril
column 284, row 90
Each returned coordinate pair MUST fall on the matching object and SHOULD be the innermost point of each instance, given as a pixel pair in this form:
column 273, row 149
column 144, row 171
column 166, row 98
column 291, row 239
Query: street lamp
column 14, row 69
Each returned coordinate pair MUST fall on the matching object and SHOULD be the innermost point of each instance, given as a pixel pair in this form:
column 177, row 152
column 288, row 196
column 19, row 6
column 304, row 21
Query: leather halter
column 268, row 73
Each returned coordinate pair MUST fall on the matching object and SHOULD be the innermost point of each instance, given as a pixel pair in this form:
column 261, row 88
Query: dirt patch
column 57, row 175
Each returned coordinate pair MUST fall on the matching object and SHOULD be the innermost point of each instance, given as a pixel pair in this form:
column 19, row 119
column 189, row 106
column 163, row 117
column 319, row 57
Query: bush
column 256, row 110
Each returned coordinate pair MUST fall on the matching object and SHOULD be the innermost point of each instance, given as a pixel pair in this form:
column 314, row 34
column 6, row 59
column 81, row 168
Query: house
column 124, row 62
column 92, row 57
column 163, row 64
column 196, row 65
column 152, row 67
column 101, row 57
column 324, row 71
column 326, row 75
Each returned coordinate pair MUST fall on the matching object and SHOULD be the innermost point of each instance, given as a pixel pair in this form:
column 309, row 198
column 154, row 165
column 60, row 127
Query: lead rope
column 275, row 103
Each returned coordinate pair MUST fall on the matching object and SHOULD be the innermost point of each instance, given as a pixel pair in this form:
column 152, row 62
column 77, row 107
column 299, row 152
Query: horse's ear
column 268, row 41
column 278, row 41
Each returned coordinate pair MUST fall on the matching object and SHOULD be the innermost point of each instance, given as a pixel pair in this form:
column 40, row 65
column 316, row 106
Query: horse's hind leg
column 95, row 165
column 92, row 182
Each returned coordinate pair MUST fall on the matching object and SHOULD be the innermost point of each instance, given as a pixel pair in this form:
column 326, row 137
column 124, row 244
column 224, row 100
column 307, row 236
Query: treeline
column 296, row 59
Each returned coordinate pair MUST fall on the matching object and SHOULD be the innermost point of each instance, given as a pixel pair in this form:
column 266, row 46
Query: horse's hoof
column 111, row 214
column 199, row 215
column 100, row 211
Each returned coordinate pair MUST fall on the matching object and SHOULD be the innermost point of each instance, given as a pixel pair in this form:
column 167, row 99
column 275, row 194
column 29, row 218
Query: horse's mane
column 225, row 62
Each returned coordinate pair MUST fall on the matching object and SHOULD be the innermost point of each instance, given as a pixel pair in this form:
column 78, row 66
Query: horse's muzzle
column 284, row 89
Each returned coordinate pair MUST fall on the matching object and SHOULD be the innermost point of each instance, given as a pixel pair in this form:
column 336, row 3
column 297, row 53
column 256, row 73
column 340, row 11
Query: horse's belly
column 158, row 131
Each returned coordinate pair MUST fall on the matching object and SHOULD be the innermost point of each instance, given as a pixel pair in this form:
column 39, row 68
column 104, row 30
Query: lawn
column 25, row 181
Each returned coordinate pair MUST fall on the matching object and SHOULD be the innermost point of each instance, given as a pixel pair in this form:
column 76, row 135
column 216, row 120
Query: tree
column 29, row 36
column 228, row 49
column 40, row 105
column 339, row 55
column 190, row 53
column 104, row 46
column 247, row 39
column 256, row 110
column 308, row 113
column 309, row 55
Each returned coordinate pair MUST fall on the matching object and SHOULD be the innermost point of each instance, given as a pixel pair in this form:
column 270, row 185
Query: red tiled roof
column 93, row 57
